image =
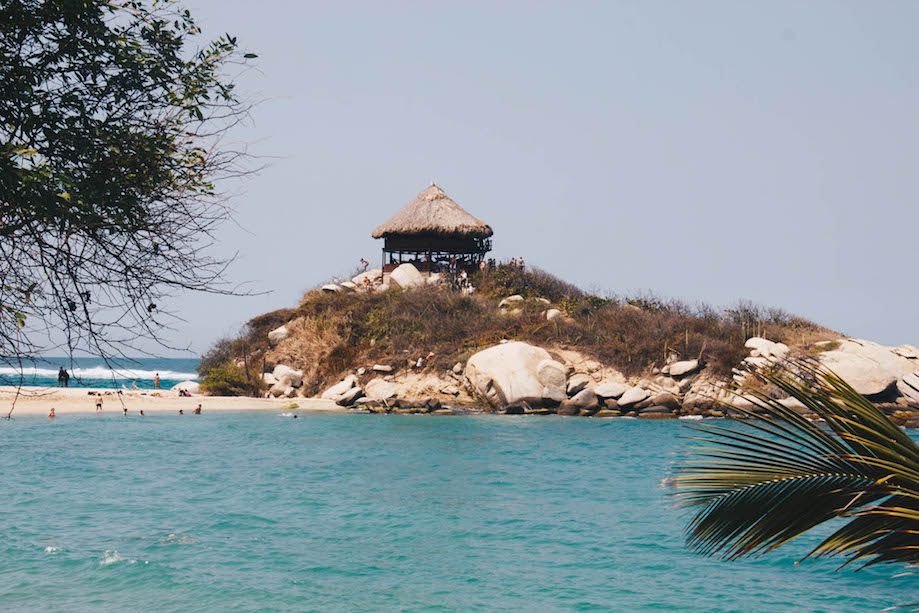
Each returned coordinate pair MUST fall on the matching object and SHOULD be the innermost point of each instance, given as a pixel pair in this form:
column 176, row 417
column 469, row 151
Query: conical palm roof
column 432, row 212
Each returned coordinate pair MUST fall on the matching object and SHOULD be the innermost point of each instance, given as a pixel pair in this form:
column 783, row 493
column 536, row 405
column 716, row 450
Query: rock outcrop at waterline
column 517, row 377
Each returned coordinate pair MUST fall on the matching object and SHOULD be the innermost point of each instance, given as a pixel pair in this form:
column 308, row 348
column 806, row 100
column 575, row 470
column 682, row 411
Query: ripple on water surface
column 353, row 513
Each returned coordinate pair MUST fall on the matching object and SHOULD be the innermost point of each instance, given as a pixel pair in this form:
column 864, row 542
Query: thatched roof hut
column 433, row 213
column 433, row 228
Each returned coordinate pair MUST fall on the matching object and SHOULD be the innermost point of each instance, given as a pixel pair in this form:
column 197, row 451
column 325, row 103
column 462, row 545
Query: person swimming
column 181, row 412
column 51, row 414
column 142, row 413
column 124, row 411
column 197, row 410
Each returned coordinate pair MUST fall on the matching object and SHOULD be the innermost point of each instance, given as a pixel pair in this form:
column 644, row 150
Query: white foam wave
column 691, row 417
column 100, row 372
column 113, row 557
column 50, row 549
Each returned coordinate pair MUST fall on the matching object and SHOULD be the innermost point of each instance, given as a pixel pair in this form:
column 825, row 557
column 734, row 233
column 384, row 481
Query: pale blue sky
column 703, row 150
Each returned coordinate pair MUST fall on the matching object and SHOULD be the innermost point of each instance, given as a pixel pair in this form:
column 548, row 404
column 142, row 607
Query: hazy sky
column 710, row 151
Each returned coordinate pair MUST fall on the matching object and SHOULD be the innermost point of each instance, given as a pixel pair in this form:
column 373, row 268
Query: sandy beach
column 40, row 400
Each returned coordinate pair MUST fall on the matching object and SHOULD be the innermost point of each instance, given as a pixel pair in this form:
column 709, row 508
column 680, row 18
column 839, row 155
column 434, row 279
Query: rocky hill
column 518, row 340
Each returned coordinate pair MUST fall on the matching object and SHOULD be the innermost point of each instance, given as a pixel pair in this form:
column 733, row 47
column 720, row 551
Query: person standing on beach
column 156, row 381
column 98, row 404
column 60, row 376
column 66, row 378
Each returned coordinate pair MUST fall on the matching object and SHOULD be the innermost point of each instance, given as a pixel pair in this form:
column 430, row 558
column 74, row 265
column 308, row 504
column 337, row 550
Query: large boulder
column 511, row 302
column 611, row 389
column 277, row 335
column 554, row 314
column 908, row 387
column 585, row 399
column 678, row 369
column 666, row 399
column 406, row 276
column 578, row 382
column 506, row 374
column 331, row 288
column 633, row 395
column 870, row 368
column 551, row 372
column 381, row 390
column 336, row 391
column 761, row 347
column 368, row 278
column 347, row 399
column 295, row 377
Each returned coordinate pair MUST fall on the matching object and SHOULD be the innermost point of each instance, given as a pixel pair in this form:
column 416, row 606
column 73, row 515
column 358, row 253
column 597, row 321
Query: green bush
column 227, row 380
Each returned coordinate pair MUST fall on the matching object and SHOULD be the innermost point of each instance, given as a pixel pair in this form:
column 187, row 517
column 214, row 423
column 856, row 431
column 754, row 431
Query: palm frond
column 756, row 487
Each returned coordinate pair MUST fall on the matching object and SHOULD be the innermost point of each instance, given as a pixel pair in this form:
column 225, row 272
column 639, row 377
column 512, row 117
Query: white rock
column 577, row 383
column 277, row 335
column 506, row 374
column 458, row 368
column 383, row 287
column 348, row 398
column 678, row 369
column 611, row 389
column 584, row 398
column 554, row 393
column 510, row 301
column 551, row 373
column 269, row 378
column 381, row 390
column 382, row 368
column 331, row 288
column 907, row 351
column 433, row 278
column 406, row 276
column 554, row 314
column 335, row 392
column 542, row 300
column 766, row 348
column 451, row 390
column 349, row 286
column 756, row 362
column 374, row 276
column 295, row 376
column 633, row 395
column 188, row 386
column 868, row 367
column 908, row 386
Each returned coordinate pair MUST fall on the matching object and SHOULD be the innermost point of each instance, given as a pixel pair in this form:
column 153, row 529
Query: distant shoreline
column 36, row 400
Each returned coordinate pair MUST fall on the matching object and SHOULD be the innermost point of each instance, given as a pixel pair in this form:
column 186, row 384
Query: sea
column 258, row 511
column 96, row 372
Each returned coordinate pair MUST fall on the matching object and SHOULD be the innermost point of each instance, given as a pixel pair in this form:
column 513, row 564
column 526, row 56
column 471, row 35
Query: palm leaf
column 756, row 487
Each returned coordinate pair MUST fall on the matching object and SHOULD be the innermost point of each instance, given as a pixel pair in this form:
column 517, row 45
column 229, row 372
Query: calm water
column 258, row 512
column 94, row 372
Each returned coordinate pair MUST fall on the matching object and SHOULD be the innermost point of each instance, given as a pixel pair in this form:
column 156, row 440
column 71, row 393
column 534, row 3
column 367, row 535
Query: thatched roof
column 432, row 212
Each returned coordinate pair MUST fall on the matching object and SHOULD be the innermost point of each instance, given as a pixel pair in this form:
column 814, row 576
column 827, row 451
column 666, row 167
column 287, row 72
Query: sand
column 40, row 400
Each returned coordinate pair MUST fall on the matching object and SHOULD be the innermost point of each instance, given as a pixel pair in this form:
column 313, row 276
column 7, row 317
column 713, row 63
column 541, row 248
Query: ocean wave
column 113, row 557
column 100, row 372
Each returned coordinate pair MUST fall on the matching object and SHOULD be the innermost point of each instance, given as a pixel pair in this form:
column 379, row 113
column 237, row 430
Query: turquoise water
column 259, row 512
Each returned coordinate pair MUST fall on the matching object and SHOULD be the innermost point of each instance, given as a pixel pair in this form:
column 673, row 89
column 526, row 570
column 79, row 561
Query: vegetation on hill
column 332, row 333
